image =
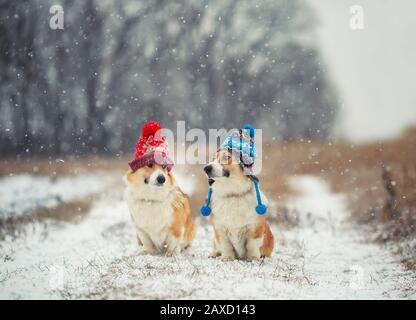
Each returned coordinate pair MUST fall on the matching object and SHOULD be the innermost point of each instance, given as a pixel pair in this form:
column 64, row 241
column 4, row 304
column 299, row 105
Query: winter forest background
column 215, row 64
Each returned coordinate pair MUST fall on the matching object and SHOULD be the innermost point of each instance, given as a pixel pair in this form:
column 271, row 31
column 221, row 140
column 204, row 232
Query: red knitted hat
column 152, row 148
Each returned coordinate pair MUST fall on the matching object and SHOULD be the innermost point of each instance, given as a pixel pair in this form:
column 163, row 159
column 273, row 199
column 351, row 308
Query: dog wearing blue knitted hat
column 235, row 204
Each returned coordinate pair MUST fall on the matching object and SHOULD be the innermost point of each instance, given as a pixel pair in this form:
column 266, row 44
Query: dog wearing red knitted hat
column 159, row 209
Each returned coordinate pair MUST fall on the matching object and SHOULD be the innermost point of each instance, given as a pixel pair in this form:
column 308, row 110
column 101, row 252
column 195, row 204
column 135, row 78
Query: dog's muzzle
column 215, row 172
column 160, row 179
column 208, row 170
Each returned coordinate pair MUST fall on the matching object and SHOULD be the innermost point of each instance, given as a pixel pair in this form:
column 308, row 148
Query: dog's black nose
column 208, row 169
column 160, row 179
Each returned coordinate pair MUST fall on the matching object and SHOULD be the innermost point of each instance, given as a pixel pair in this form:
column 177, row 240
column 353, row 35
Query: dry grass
column 73, row 212
column 77, row 210
column 59, row 166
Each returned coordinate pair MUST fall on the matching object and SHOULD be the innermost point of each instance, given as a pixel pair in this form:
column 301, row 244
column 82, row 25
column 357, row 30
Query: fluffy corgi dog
column 160, row 210
column 239, row 232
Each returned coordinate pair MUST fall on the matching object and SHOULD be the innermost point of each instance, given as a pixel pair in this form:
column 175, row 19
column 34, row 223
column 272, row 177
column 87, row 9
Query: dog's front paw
column 214, row 254
column 253, row 258
column 172, row 253
column 146, row 252
column 227, row 258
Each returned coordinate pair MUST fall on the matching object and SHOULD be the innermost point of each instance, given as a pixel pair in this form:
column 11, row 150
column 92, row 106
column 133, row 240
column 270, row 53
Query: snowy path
column 97, row 258
column 338, row 258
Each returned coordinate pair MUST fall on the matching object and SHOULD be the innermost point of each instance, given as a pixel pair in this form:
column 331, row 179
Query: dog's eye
column 146, row 180
column 150, row 165
column 225, row 158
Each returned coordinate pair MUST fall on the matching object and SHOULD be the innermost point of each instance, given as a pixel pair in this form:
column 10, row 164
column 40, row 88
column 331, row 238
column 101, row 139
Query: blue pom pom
column 205, row 211
column 249, row 127
column 261, row 209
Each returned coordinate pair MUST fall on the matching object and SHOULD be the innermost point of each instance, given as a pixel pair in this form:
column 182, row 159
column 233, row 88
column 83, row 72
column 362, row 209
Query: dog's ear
column 128, row 177
column 171, row 177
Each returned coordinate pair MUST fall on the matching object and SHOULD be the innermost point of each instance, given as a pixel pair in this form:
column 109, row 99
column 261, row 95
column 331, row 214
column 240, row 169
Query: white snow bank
column 22, row 194
column 316, row 199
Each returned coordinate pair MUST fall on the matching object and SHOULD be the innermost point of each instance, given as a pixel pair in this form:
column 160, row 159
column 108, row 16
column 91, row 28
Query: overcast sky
column 373, row 69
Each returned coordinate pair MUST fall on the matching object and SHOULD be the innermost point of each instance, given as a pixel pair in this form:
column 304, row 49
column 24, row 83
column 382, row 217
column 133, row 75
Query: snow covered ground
column 324, row 257
column 22, row 194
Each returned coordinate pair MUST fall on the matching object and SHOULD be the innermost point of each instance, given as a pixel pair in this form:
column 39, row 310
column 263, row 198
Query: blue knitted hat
column 241, row 144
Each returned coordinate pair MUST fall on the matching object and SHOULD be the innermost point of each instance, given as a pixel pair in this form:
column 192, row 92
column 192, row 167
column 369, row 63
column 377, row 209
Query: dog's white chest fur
column 153, row 217
column 234, row 212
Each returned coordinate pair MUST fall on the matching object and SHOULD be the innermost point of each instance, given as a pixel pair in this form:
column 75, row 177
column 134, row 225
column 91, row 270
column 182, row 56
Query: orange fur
column 268, row 242
column 262, row 229
column 258, row 230
column 182, row 224
column 190, row 231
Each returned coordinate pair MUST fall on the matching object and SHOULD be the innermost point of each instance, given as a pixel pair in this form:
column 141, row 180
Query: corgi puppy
column 160, row 210
column 239, row 231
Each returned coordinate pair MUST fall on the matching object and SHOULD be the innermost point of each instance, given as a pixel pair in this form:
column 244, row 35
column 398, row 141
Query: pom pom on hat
column 205, row 210
column 261, row 209
column 148, row 141
column 150, row 128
